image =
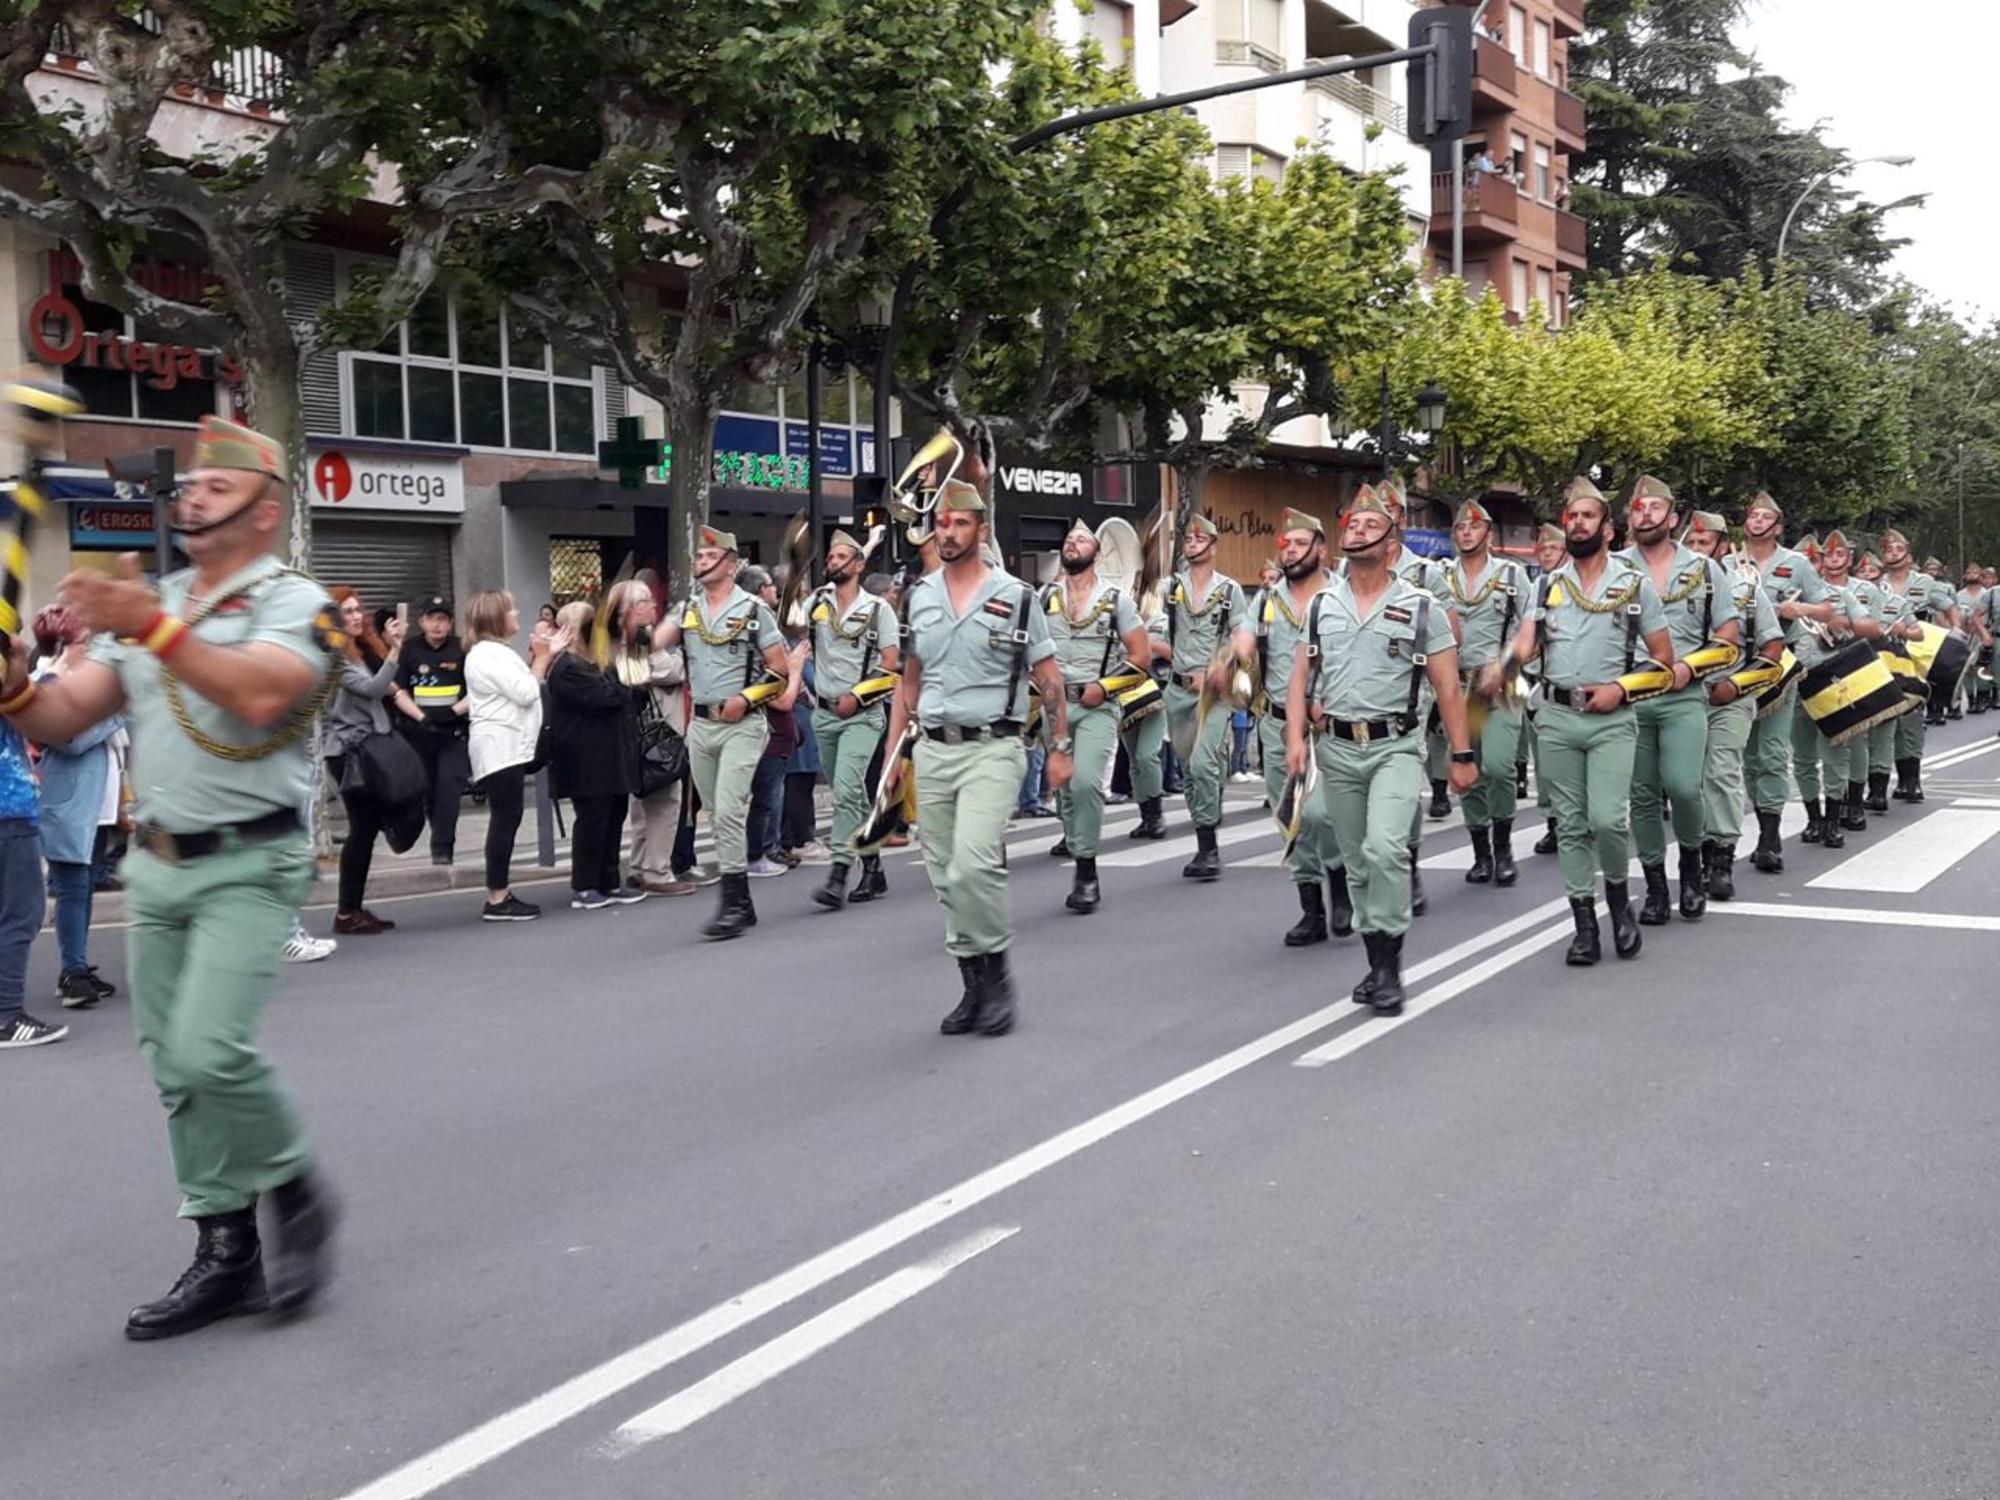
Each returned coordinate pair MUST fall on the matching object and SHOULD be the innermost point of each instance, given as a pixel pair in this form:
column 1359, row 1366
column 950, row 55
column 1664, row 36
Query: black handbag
column 387, row 768
column 545, row 739
column 662, row 752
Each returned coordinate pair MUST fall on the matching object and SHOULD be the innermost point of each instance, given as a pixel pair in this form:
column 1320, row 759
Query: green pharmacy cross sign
column 750, row 471
column 630, row 452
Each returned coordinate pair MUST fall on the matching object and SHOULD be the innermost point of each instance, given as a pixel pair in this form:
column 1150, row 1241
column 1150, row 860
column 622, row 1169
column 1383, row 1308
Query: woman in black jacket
column 594, row 744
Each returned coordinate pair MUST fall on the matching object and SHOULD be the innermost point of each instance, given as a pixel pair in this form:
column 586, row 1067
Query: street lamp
column 1893, row 160
column 1431, row 403
column 1430, row 409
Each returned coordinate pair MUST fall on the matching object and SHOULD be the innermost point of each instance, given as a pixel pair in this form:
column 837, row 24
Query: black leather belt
column 176, row 847
column 1565, row 697
column 1191, row 681
column 1362, row 731
column 713, row 711
column 1073, row 691
column 1275, row 711
column 972, row 734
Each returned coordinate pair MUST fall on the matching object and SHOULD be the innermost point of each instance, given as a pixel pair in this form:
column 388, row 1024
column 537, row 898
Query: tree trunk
column 691, row 429
column 272, row 376
column 1190, row 477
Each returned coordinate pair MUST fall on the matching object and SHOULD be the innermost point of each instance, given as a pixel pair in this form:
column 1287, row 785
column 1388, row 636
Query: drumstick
column 36, row 407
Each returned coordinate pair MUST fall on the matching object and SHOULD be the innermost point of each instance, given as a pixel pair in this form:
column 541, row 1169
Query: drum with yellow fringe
column 1851, row 691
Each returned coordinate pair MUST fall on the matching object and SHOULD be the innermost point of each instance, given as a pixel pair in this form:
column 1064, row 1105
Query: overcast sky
column 1833, row 53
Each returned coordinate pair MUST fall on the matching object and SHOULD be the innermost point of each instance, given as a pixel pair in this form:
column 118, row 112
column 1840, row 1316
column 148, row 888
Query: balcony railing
column 1572, row 240
column 247, row 73
column 1369, row 103
column 1569, row 17
column 1569, row 120
column 1493, row 74
column 1485, row 195
column 1236, row 50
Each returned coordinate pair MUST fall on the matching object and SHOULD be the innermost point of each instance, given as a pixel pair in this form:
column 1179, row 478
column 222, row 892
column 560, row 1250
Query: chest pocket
column 1398, row 638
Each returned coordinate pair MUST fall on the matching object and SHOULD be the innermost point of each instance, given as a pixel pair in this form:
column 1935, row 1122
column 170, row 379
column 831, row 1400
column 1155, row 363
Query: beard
column 1076, row 565
column 1305, row 567
column 952, row 551
column 1364, row 551
column 1588, row 546
column 1651, row 536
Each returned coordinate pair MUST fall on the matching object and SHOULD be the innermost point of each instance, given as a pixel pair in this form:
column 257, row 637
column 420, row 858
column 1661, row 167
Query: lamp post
column 1894, row 160
column 1431, row 405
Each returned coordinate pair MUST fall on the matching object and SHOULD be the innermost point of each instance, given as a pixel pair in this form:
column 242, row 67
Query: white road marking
column 705, row 1397
column 1914, row 855
column 1975, row 802
column 1946, row 759
column 1953, row 921
column 1176, row 848
column 1352, row 1041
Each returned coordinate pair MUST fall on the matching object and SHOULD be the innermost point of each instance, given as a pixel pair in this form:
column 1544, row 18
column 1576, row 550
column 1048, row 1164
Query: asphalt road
column 634, row 1215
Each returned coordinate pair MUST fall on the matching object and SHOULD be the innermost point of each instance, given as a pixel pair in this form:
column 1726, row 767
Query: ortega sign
column 348, row 480
column 58, row 334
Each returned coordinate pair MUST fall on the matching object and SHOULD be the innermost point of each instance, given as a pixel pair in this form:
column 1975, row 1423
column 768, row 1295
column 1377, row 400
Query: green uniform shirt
column 725, row 651
column 848, row 644
column 1753, row 609
column 967, row 659
column 1092, row 646
column 179, row 786
column 1582, row 645
column 1198, row 627
column 1489, row 611
column 1277, row 631
column 1420, row 571
column 1788, row 576
column 1697, row 600
column 1896, row 606
column 1928, row 597
column 1366, row 663
column 1868, row 601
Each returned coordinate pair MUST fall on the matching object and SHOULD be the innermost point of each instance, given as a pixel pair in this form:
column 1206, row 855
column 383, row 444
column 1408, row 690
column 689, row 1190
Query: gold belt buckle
column 161, row 845
column 1360, row 731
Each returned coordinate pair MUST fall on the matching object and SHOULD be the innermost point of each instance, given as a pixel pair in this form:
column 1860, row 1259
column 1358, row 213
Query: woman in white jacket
column 504, row 695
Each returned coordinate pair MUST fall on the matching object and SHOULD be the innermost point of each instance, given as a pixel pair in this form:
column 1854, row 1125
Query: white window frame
column 1517, row 33
column 1517, row 287
column 1545, row 293
column 1236, row 33
column 1252, row 162
column 1544, row 50
column 1545, row 173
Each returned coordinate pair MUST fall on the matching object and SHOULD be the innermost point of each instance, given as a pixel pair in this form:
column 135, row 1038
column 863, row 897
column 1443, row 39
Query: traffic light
column 1441, row 82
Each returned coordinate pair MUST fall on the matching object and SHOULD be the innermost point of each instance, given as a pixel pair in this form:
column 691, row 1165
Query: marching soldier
column 1875, row 752
column 1095, row 629
column 1372, row 642
column 1802, row 601
column 1592, row 617
column 1488, row 595
column 855, row 639
column 220, row 676
column 1144, row 740
column 731, row 641
column 975, row 638
column 1420, row 572
column 1278, row 621
column 1673, row 728
column 1204, row 611
column 1550, row 551
column 1930, row 603
column 1732, row 705
column 1847, row 765
column 1975, row 618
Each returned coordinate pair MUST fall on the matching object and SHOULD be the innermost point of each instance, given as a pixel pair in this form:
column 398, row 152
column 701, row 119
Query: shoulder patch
column 327, row 632
column 1784, row 572
column 1397, row 613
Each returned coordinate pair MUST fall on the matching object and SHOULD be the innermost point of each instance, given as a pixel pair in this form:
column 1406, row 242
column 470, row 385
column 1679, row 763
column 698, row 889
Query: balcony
column 1572, row 240
column 1492, row 208
column 1569, row 121
column 1569, row 17
column 1494, row 86
column 1175, row 10
column 1369, row 103
column 245, row 76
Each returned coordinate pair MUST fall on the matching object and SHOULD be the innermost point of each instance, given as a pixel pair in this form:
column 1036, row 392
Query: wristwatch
column 1064, row 746
column 1465, row 757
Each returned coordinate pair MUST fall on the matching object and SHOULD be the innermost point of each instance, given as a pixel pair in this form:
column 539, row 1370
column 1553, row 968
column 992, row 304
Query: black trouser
column 800, row 815
column 364, row 823
column 503, row 791
column 594, row 837
column 447, row 770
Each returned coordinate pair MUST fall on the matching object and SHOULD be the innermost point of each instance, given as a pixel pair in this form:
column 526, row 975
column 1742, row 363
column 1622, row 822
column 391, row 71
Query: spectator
column 1239, row 758
column 367, row 677
column 767, row 791
column 594, row 740
column 656, row 677
column 503, row 698
column 79, row 797
column 430, row 694
column 21, row 893
column 802, row 772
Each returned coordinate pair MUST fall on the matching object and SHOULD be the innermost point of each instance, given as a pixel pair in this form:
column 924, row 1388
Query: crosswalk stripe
column 1912, row 857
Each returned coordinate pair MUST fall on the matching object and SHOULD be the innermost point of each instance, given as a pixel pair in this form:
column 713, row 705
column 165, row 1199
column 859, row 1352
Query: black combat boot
column 995, row 1016
column 1364, row 992
column 1311, row 925
column 1909, row 779
column 1521, row 780
column 959, row 1021
column 1625, row 936
column 1654, row 912
column 1417, row 899
column 1694, row 885
column 1339, row 904
column 304, row 1215
column 873, row 884
column 1083, row 893
column 1387, row 997
column 1583, row 949
column 1505, row 871
column 1481, row 872
column 225, row 1279
column 734, row 914
column 1830, row 836
column 1815, row 828
column 833, row 894
column 1060, row 848
column 1206, row 864
column 1440, row 800
column 1546, row 844
column 1855, row 817
column 1768, row 858
column 1152, row 825
column 1721, row 870
column 1878, row 791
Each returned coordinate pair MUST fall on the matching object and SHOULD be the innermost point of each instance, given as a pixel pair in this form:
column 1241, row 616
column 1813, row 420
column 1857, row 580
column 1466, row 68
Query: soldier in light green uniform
column 1489, row 598
column 1875, row 752
column 1595, row 618
column 1673, row 728
column 975, row 637
column 1930, row 602
column 1551, row 549
column 1277, row 621
column 732, row 644
column 1860, row 603
column 1095, row 629
column 1372, row 641
column 1732, row 708
column 1144, row 739
column 1204, row 610
column 1428, row 576
column 855, row 641
column 1970, row 602
column 219, row 677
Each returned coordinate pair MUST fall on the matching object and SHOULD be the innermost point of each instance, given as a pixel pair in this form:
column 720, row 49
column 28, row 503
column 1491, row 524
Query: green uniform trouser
column 1722, row 772
column 724, row 760
column 1209, row 762
column 203, row 952
column 1317, row 850
column 1080, row 804
column 964, row 795
column 1142, row 755
column 1533, row 735
column 1881, row 744
column 1587, row 763
column 1369, row 791
column 1767, row 758
column 1910, row 734
column 1673, row 735
column 1812, row 750
column 1492, row 796
column 846, row 746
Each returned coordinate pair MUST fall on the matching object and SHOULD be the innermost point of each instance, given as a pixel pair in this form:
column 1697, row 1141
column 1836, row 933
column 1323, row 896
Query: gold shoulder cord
column 692, row 619
column 1608, row 606
column 299, row 721
column 1689, row 582
column 1481, row 595
column 838, row 626
column 1204, row 610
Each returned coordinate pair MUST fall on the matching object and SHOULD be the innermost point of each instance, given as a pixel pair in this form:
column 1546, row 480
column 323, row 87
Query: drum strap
column 1542, row 634
column 1631, row 633
column 1020, row 647
column 1257, row 607
column 1110, row 633
column 1312, row 650
column 1507, row 610
column 1418, row 658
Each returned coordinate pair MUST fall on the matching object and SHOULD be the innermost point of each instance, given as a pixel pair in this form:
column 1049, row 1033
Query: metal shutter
column 309, row 286
column 390, row 563
column 614, row 405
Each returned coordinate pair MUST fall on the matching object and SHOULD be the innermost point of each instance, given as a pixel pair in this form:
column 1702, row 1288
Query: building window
column 1545, row 293
column 1251, row 31
column 1517, row 160
column 1248, row 162
column 1517, row 33
column 1109, row 24
column 1542, row 49
column 1545, row 190
column 122, row 368
column 1518, row 301
column 463, row 373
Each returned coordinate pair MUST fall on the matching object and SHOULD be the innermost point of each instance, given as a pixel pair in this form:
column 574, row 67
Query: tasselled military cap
column 222, row 444
column 714, row 536
column 1298, row 520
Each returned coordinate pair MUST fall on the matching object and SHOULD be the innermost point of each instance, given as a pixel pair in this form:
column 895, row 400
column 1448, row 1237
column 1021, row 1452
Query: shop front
column 384, row 518
column 1035, row 504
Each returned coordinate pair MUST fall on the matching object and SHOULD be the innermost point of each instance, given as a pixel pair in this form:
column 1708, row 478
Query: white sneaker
column 815, row 853
column 764, row 869
column 303, row 948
